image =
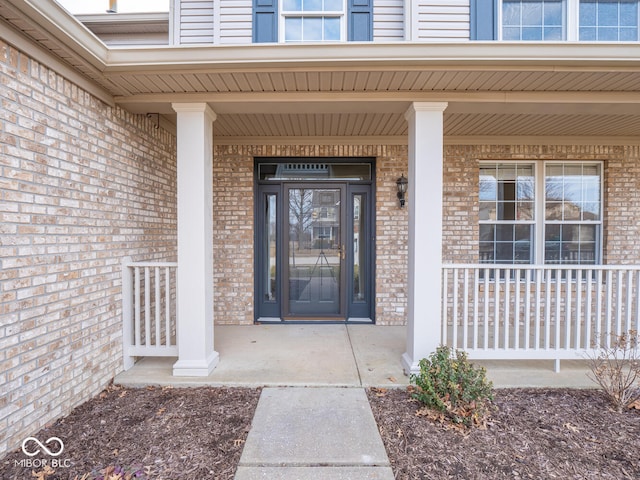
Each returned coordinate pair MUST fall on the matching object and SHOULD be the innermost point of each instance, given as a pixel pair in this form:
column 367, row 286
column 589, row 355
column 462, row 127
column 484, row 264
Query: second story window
column 608, row 20
column 558, row 20
column 533, row 20
column 313, row 20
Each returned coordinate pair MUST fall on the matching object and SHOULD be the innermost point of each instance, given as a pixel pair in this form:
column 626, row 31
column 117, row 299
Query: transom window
column 313, row 20
column 540, row 212
column 556, row 20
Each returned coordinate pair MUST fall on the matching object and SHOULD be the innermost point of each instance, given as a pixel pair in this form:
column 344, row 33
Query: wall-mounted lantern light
column 402, row 183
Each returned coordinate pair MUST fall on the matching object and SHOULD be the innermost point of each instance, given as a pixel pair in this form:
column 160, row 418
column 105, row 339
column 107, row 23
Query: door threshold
column 324, row 320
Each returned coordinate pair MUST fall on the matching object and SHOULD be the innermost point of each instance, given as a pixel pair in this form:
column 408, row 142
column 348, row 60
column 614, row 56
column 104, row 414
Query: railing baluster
column 136, row 289
column 527, row 309
column 618, row 303
column 547, row 311
column 608, row 330
column 496, row 308
column 558, row 305
column 507, row 300
column 578, row 317
column 485, row 317
column 158, row 307
column 636, row 295
column 465, row 310
column 454, row 331
column 536, row 318
column 147, row 308
column 567, row 310
column 516, row 310
column 587, row 312
column 599, row 339
column 476, row 281
column 628, row 292
column 167, row 308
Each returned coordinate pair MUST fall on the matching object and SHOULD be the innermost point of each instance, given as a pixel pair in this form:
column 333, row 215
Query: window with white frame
column 313, row 20
column 557, row 20
column 540, row 212
column 533, row 20
column 608, row 20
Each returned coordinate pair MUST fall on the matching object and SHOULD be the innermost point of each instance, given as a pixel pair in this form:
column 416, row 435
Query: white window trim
column 539, row 222
column 283, row 14
column 570, row 22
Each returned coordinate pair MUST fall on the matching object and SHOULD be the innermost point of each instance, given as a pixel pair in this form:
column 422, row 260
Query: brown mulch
column 199, row 433
column 170, row 433
column 533, row 434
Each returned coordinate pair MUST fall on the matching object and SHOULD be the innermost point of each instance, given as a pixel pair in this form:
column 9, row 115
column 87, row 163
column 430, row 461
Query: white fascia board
column 111, row 18
column 61, row 25
column 354, row 56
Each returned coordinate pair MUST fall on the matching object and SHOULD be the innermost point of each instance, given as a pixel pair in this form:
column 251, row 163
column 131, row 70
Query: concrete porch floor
column 331, row 355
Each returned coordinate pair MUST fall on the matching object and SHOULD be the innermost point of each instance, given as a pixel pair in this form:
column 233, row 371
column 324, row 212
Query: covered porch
column 440, row 133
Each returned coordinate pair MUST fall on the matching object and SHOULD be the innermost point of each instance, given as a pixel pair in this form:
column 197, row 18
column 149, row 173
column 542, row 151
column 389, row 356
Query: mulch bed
column 199, row 433
column 185, row 434
column 534, row 434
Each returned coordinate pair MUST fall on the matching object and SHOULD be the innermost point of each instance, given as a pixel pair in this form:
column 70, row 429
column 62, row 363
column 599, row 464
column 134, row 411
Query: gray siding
column 195, row 21
column 442, row 20
column 235, row 21
column 388, row 20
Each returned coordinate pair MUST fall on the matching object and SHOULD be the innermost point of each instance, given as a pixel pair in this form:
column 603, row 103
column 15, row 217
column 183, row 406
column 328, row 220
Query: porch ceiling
column 359, row 89
column 456, row 124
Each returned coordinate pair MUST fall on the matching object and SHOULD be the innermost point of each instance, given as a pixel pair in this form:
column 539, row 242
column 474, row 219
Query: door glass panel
column 269, row 273
column 314, row 251
column 359, row 249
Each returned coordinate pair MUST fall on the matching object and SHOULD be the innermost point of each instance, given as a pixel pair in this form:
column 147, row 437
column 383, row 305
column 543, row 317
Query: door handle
column 342, row 254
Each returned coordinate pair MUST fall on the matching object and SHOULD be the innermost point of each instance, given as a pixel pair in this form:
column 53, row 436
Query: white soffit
column 361, row 89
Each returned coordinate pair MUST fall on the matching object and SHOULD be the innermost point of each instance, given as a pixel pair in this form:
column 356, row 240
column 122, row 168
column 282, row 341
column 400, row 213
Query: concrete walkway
column 314, row 433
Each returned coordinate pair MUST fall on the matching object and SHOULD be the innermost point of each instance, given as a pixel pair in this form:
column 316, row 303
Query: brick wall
column 622, row 204
column 81, row 186
column 234, row 224
column 233, row 235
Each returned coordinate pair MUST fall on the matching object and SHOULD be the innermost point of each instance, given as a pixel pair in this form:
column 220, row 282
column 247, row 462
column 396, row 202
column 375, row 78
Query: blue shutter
column 360, row 25
column 484, row 20
column 265, row 21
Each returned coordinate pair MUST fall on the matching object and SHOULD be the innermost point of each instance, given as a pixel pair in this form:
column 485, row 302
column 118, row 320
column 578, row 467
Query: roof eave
column 464, row 56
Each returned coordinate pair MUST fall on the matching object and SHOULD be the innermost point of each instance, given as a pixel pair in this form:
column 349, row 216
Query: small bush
column 450, row 384
column 616, row 369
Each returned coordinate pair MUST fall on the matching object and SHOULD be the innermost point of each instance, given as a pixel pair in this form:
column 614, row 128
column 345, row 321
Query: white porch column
column 425, row 231
column 195, row 240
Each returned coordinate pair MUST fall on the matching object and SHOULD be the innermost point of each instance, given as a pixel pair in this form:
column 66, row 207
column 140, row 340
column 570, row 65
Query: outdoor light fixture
column 402, row 183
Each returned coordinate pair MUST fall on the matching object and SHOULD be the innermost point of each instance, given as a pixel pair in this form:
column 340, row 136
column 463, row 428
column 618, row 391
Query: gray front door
column 314, row 255
column 314, row 249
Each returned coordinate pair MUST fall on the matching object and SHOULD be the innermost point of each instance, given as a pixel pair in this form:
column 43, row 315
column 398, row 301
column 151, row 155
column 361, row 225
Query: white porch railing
column 537, row 311
column 149, row 310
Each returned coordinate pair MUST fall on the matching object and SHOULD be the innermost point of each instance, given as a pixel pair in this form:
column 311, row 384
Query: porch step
column 314, row 433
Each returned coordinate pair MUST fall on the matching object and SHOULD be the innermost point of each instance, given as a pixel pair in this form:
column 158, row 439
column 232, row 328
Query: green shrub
column 450, row 384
